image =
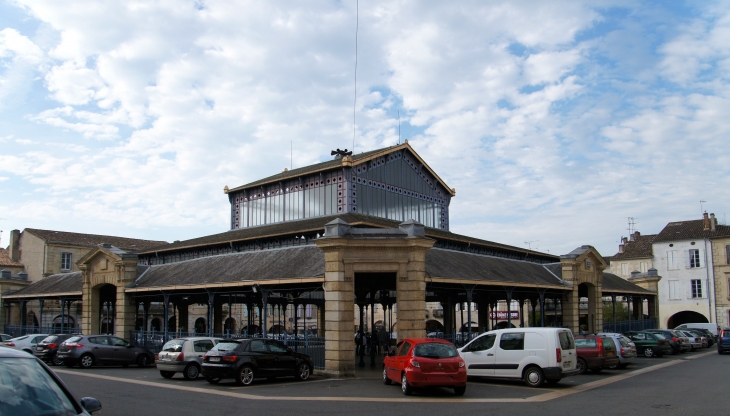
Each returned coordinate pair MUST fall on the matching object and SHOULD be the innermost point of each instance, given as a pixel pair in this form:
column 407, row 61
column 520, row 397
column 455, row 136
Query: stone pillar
column 571, row 314
column 320, row 320
column 339, row 295
column 411, row 297
column 126, row 304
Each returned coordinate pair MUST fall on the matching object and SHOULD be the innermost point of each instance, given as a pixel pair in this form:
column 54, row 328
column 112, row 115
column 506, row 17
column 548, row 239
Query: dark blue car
column 723, row 341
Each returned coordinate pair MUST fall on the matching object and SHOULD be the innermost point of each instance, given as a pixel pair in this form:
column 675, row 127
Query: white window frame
column 694, row 259
column 65, row 261
column 624, row 269
column 674, row 290
column 644, row 266
column 672, row 260
column 696, row 289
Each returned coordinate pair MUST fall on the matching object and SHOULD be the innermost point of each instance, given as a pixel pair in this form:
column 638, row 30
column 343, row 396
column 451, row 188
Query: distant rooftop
column 92, row 240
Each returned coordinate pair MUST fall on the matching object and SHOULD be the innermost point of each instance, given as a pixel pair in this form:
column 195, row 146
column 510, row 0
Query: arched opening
column 229, row 326
column 251, row 331
column 31, row 319
column 433, row 325
column 171, row 326
column 277, row 329
column 587, row 308
column 107, row 308
column 63, row 322
column 474, row 327
column 685, row 317
column 156, row 324
column 200, row 327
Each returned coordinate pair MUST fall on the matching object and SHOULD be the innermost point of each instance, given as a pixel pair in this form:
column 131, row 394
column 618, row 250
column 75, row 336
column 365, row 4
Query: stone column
column 339, row 295
column 571, row 314
column 126, row 304
column 411, row 297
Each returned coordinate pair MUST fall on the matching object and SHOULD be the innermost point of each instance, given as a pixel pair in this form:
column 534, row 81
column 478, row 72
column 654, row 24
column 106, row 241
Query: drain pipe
column 707, row 270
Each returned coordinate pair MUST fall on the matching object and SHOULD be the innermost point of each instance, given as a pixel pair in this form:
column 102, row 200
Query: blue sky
column 554, row 121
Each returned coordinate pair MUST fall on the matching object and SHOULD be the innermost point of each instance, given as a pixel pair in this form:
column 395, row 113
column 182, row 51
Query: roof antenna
column 702, row 211
column 291, row 154
column 354, row 105
column 632, row 225
column 398, row 126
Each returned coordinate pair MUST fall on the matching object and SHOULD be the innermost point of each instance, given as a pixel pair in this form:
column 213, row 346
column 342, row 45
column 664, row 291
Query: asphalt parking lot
column 367, row 386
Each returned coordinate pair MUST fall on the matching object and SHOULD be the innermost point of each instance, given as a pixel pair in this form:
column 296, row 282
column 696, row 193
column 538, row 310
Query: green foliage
column 622, row 314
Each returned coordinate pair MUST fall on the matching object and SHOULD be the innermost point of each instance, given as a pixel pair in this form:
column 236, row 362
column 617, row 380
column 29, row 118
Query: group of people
column 365, row 342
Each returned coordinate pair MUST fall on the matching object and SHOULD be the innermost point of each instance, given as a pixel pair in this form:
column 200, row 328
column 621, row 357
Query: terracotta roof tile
column 637, row 249
column 687, row 230
column 5, row 259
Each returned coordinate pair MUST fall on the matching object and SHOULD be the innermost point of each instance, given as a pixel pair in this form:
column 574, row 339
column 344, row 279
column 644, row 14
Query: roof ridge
column 32, row 230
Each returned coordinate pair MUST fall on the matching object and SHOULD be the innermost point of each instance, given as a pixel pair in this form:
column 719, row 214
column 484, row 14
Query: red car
column 425, row 362
column 595, row 353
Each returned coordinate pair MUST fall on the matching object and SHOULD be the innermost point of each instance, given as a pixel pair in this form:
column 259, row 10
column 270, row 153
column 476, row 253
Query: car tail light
column 52, row 346
column 181, row 357
column 75, row 345
column 558, row 355
column 415, row 364
column 622, row 351
column 461, row 364
column 9, row 344
column 600, row 347
column 674, row 339
column 229, row 358
column 205, row 357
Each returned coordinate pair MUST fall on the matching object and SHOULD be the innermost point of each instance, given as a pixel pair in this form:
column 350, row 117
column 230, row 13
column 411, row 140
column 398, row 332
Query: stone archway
column 583, row 269
column 229, row 326
column 156, row 325
column 686, row 317
column 587, row 321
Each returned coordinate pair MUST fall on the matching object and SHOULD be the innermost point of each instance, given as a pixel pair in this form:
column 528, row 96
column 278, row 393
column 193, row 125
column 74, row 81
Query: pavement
column 149, row 391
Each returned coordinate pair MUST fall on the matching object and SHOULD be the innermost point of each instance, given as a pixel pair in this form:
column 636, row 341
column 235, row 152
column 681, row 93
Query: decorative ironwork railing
column 20, row 330
column 631, row 325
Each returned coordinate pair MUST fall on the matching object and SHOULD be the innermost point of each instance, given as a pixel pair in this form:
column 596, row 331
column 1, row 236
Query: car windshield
column 625, row 342
column 27, row 389
column 174, row 345
column 50, row 339
column 73, row 339
column 435, row 350
column 225, row 346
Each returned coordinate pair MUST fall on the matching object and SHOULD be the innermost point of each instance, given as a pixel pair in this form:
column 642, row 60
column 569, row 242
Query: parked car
column 626, row 350
column 694, row 339
column 723, row 341
column 650, row 344
column 425, row 362
column 5, row 337
column 678, row 342
column 247, row 359
column 47, row 349
column 29, row 387
column 184, row 355
column 683, row 340
column 535, row 355
column 704, row 338
column 25, row 343
column 711, row 338
column 595, row 353
column 709, row 327
column 90, row 350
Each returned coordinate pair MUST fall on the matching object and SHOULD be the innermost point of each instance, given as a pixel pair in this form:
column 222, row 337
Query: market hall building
column 328, row 242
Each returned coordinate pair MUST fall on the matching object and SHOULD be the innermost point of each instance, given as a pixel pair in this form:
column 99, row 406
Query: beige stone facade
column 721, row 272
column 584, row 272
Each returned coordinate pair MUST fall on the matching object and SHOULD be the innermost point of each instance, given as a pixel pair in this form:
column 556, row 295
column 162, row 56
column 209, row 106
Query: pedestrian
column 358, row 342
column 364, row 346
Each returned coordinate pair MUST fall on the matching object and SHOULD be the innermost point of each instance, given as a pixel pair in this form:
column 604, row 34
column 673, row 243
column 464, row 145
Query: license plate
column 215, row 359
column 39, row 349
column 567, row 364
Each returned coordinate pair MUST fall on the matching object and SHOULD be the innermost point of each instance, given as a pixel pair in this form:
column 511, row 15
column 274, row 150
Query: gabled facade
column 634, row 254
column 391, row 183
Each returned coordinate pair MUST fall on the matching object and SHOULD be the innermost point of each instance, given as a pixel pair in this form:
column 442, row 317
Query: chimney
column 636, row 235
column 706, row 220
column 15, row 245
column 713, row 222
column 620, row 248
column 624, row 240
column 635, row 273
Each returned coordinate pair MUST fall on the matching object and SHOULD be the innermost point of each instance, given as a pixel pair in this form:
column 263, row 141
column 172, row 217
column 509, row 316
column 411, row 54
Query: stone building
column 336, row 238
column 634, row 254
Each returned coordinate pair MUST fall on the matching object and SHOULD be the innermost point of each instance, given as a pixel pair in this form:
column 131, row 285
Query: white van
column 535, row 355
column 710, row 327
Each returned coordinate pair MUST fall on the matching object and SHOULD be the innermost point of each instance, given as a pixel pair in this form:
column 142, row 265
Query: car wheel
column 56, row 361
column 86, row 361
column 167, row 374
column 582, row 366
column 191, row 372
column 212, row 380
column 143, row 361
column 405, row 385
column 386, row 380
column 648, row 352
column 245, row 375
column 533, row 377
column 303, row 372
column 459, row 391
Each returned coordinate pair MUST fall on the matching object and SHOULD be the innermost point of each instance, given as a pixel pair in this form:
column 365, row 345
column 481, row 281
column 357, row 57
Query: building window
column 694, row 258
column 696, row 288
column 674, row 289
column 672, row 260
column 727, row 254
column 728, row 289
column 624, row 269
column 65, row 261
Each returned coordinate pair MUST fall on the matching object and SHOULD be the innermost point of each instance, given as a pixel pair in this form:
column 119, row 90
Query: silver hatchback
column 184, row 355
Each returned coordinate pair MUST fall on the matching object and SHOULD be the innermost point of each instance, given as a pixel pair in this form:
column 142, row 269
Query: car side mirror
column 91, row 404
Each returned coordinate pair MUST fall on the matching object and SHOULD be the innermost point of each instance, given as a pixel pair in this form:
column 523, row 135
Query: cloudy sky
column 555, row 121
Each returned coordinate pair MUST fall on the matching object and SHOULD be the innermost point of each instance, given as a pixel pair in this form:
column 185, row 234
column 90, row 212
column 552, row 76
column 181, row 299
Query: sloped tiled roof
column 687, row 230
column 91, row 240
column 639, row 248
column 611, row 282
column 69, row 283
column 317, row 225
column 5, row 259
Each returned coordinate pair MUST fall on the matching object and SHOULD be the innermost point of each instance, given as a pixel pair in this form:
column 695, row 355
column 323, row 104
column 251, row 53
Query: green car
column 649, row 344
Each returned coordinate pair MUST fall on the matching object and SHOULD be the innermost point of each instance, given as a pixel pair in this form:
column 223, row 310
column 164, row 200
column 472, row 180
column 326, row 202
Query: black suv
column 247, row 359
column 47, row 349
